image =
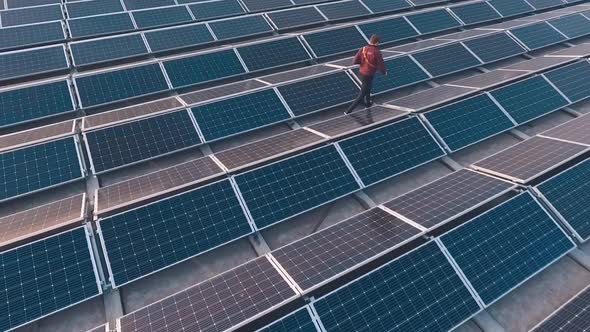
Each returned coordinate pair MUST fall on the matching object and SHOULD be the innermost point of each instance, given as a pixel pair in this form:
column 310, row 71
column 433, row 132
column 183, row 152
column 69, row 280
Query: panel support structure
column 113, row 306
column 259, row 244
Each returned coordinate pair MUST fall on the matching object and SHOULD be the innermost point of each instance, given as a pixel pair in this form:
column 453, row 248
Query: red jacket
column 370, row 60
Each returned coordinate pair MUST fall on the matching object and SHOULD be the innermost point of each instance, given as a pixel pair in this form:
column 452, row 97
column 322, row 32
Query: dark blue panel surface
column 572, row 80
column 518, row 238
column 494, row 47
column 34, row 102
column 544, row 4
column 292, row 186
column 537, row 35
column 272, row 54
column 385, row 152
column 178, row 37
column 135, row 141
column 473, row 13
column 240, row 27
column 447, row 59
column 419, row 291
column 342, row 10
column 102, row 50
column 319, row 93
column 37, row 167
column 263, row 5
column 32, row 62
column 573, row 26
column 142, row 4
column 150, row 238
column 100, row 25
column 404, row 71
column 31, row 15
column 511, row 7
column 239, row 114
column 335, row 41
column 28, row 35
column 433, row 21
column 390, row 30
column 161, row 16
column 286, row 19
column 298, row 321
column 93, row 7
column 203, row 68
column 384, row 6
column 216, row 9
column 45, row 276
column 29, row 3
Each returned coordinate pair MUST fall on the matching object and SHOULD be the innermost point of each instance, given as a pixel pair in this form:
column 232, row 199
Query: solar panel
column 292, row 186
column 446, row 59
column 274, row 53
column 540, row 63
column 571, row 80
column 417, row 46
column 391, row 150
column 419, row 291
column 433, row 21
column 151, row 18
column 178, row 37
column 430, row 98
column 37, row 167
column 580, row 50
column 298, row 321
column 28, row 35
column 147, row 239
column 462, row 35
column 216, row 9
column 217, row 92
column 573, row 26
column 494, row 47
column 323, row 256
column 544, row 4
column 263, row 5
column 229, row 300
column 107, row 49
column 468, row 121
column 93, row 7
column 30, row 62
column 29, row 3
column 239, row 114
column 529, row 159
column 29, row 15
column 505, row 25
column 537, row 35
column 268, row 148
column 574, row 130
column 473, row 13
column 142, row 4
column 46, row 276
column 335, row 41
column 128, row 143
column 342, row 10
column 204, row 67
column 405, row 72
column 100, row 25
column 34, row 102
column 511, row 7
column 120, row 84
column 572, row 316
column 295, row 74
column 418, row 3
column 36, row 135
column 316, row 94
column 385, row 6
column 502, row 248
column 297, row 17
column 390, row 30
column 240, row 27
column 529, row 99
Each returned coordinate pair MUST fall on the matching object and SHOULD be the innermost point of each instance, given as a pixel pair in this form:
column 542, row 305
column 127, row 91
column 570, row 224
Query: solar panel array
column 573, row 315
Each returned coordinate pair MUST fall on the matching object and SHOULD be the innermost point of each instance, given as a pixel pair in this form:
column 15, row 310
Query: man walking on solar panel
column 370, row 61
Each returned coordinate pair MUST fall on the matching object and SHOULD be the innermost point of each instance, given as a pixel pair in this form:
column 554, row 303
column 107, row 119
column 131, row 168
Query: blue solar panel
column 529, row 99
column 335, row 41
column 511, row 7
column 319, row 93
column 142, row 4
column 136, row 141
column 280, row 52
column 178, row 37
column 239, row 114
column 46, row 276
column 433, row 21
column 286, row 19
column 494, row 47
column 100, row 25
column 298, row 321
column 537, row 35
column 28, row 35
column 93, row 7
column 468, row 121
column 404, row 71
column 389, row 30
column 544, row 4
column 419, row 291
column 384, row 6
column 38, row 167
column 31, row 15
column 203, row 68
column 35, row 102
column 477, row 12
column 292, row 186
column 216, row 9
column 117, row 85
column 502, row 248
column 240, row 27
column 29, row 3
column 342, row 10
column 109, row 49
column 142, row 241
column 262, row 5
column 446, row 60
column 32, row 62
column 573, row 26
column 161, row 16
column 388, row 151
column 572, row 80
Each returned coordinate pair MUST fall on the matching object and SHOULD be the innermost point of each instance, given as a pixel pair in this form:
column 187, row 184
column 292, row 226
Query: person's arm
column 381, row 63
column 358, row 57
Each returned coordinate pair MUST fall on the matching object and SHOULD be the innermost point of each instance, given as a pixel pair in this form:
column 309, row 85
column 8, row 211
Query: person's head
column 374, row 40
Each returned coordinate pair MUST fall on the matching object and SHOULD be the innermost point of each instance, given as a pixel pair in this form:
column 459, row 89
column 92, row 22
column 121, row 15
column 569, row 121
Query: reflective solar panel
column 489, row 79
column 446, row 59
column 529, row 99
column 150, row 18
column 298, row 321
column 299, row 73
column 220, row 91
column 292, row 186
column 107, row 49
column 142, row 4
column 473, row 13
column 100, row 25
column 275, row 53
column 93, row 7
column 430, row 98
column 32, row 62
column 35, row 102
column 135, row 141
column 575, row 130
column 572, row 80
column 178, row 37
column 263, row 5
column 572, row 316
column 463, row 35
column 425, row 2
column 502, row 248
column 335, row 41
column 388, row 151
column 494, row 47
column 390, row 30
column 404, row 72
column 204, row 67
column 46, row 276
column 120, row 84
column 240, row 27
column 29, row 3
column 292, row 18
column 468, row 121
column 316, row 94
column 537, row 35
column 36, row 135
column 419, row 291
column 31, row 15
column 544, row 4
column 433, row 21
column 573, row 26
column 540, row 63
column 147, row 239
column 28, row 35
column 417, row 46
column 511, row 7
column 38, row 167
column 344, row 9
column 384, row 6
column 216, row 9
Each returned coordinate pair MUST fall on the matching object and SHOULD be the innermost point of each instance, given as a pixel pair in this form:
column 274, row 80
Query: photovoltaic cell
column 28, row 35
column 220, row 91
column 263, row 5
column 446, row 59
column 537, row 35
column 572, row 316
column 216, row 9
column 292, row 186
column 490, row 79
column 299, row 73
column 335, row 41
column 32, row 62
column 385, row 152
column 201, row 68
column 431, row 97
column 100, row 25
column 280, row 52
column 286, row 19
column 240, row 27
column 144, row 240
column 433, row 21
column 404, row 72
column 178, row 37
column 131, row 142
column 574, row 130
column 390, row 30
column 572, row 80
column 518, row 238
column 161, row 16
column 93, row 7
column 544, row 4
column 419, row 291
column 511, row 7
column 342, row 10
column 573, row 26
column 108, row 49
column 31, row 15
column 494, row 47
column 474, row 13
column 384, row 6
column 46, row 276
column 142, row 4
column 298, row 321
column 29, row 3
column 36, row 135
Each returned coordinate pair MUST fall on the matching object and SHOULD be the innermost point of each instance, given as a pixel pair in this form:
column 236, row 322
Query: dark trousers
column 365, row 93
